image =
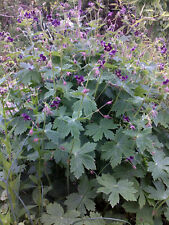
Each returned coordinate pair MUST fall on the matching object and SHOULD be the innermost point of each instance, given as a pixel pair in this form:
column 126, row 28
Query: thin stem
column 68, row 168
column 101, row 218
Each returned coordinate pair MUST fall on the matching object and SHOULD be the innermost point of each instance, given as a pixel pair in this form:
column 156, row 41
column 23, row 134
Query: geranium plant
column 84, row 119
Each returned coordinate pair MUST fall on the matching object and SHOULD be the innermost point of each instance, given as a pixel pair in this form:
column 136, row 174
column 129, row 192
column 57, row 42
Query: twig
column 7, row 16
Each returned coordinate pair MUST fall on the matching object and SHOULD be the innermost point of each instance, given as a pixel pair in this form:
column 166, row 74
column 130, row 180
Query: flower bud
column 35, row 139
column 31, row 131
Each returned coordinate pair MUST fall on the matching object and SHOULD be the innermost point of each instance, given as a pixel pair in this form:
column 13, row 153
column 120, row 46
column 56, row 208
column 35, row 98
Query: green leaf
column 55, row 215
column 51, row 134
column 83, row 200
column 166, row 213
column 114, row 189
column 159, row 192
column 143, row 138
column 27, row 76
column 51, row 92
column 60, row 156
column 66, row 125
column 123, row 106
column 33, row 156
column 139, row 91
column 82, row 157
column 144, row 216
column 116, row 149
column 162, row 118
column 104, row 128
column 160, row 166
column 21, row 126
column 142, row 199
column 124, row 171
column 86, row 104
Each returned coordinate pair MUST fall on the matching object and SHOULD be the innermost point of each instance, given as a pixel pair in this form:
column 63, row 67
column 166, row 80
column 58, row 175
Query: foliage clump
column 83, row 120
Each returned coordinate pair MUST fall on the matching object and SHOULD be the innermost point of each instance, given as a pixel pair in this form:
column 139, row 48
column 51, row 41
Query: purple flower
column 102, row 62
column 2, row 90
column 120, row 76
column 27, row 15
column 166, row 82
column 55, row 22
column 161, row 66
column 107, row 47
column 10, row 39
column 133, row 48
column 113, row 52
column 68, row 74
column 136, row 33
column 25, row 116
column 20, row 56
column 33, row 13
column 2, row 34
column 131, row 158
column 79, row 79
column 42, row 57
column 163, row 49
column 49, row 17
column 91, row 4
column 124, row 78
column 118, row 73
column 19, row 20
column 132, row 127
column 35, row 19
column 136, row 24
column 126, row 118
column 123, row 10
column 110, row 14
column 102, row 43
column 56, row 102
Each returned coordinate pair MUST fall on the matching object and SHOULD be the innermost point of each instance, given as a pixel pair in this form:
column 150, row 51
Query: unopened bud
column 35, row 139
column 86, row 91
column 31, row 131
column 107, row 116
column 109, row 103
column 134, row 167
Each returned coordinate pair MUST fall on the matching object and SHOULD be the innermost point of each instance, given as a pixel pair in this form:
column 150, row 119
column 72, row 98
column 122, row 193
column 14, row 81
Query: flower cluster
column 54, row 22
column 79, row 79
column 126, row 118
column 113, row 52
column 42, row 57
column 161, row 66
column 55, row 103
column 130, row 159
column 25, row 116
column 101, row 63
column 3, row 90
column 28, row 15
column 133, row 48
column 6, row 37
column 163, row 49
column 47, row 110
column 107, row 47
column 120, row 76
column 166, row 82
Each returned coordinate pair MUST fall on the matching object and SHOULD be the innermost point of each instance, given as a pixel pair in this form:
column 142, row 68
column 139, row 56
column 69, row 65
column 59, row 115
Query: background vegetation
column 84, row 113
